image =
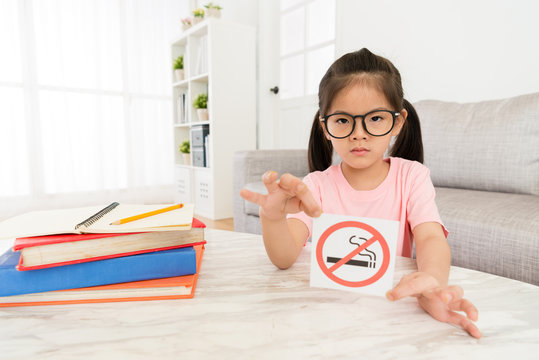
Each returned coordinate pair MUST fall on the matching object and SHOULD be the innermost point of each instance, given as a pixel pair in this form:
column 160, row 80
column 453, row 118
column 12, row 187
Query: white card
column 354, row 253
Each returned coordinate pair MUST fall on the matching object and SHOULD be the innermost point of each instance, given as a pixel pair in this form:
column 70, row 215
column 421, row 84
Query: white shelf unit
column 219, row 60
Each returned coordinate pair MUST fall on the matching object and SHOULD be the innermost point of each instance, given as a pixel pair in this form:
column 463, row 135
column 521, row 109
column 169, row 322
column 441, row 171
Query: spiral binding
column 92, row 219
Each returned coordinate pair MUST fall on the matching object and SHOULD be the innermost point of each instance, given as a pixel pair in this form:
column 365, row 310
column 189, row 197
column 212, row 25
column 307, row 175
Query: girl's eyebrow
column 346, row 112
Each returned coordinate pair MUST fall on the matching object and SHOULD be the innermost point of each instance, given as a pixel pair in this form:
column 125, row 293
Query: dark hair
column 363, row 65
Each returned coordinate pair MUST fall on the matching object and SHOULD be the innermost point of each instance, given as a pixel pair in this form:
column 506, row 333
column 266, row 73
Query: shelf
column 199, row 29
column 181, row 41
column 200, row 123
column 210, row 188
column 182, row 83
column 192, row 167
column 200, row 78
column 189, row 124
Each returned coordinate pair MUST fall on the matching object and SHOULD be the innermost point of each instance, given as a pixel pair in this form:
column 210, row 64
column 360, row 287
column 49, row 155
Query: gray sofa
column 484, row 162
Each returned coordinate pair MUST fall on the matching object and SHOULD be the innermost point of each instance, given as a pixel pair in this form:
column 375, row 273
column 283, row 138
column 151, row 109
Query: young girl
column 361, row 107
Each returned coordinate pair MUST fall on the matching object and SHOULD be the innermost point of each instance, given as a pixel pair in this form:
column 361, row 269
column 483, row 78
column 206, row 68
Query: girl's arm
column 432, row 251
column 283, row 238
column 429, row 283
column 433, row 258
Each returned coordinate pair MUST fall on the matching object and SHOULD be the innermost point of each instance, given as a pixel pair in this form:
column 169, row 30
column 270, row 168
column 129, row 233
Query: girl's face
column 361, row 150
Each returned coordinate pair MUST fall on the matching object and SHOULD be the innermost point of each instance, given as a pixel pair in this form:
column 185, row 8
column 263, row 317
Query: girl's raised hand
column 443, row 304
column 287, row 195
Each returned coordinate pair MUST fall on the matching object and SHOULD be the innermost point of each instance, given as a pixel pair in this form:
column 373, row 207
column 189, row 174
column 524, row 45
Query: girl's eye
column 375, row 118
column 342, row 121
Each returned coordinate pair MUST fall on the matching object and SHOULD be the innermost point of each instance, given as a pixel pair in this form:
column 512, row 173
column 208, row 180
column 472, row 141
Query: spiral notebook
column 96, row 219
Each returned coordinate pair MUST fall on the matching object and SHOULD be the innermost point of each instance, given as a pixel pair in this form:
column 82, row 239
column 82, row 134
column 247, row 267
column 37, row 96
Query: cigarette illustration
column 369, row 262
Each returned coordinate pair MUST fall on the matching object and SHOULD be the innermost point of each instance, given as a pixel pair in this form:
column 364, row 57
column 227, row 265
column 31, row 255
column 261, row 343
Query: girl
column 361, row 107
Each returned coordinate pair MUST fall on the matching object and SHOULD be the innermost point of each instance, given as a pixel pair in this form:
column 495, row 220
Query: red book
column 179, row 287
column 56, row 250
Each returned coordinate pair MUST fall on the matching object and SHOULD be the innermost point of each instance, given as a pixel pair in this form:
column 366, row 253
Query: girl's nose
column 359, row 132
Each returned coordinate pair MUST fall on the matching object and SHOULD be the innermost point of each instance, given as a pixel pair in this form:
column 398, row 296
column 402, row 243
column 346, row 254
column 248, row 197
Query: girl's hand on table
column 442, row 303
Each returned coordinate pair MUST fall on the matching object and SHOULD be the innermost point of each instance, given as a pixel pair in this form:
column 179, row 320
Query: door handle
column 275, row 90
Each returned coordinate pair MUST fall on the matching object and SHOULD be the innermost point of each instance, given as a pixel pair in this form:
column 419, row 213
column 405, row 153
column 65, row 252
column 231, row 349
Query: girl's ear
column 399, row 122
column 328, row 138
column 324, row 129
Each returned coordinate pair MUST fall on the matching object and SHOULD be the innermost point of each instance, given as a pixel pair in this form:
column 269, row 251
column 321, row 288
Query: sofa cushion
column 490, row 145
column 492, row 232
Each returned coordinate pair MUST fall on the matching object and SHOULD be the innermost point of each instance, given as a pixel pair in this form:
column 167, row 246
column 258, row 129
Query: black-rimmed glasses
column 376, row 123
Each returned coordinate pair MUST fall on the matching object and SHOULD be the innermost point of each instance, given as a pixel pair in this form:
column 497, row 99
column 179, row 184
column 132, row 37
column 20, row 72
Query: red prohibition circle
column 377, row 237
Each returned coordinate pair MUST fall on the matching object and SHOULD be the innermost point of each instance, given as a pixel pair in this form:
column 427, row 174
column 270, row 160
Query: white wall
column 454, row 50
column 240, row 11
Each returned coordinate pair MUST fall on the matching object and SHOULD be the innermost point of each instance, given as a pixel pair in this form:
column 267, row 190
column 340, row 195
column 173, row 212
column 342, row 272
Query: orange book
column 179, row 287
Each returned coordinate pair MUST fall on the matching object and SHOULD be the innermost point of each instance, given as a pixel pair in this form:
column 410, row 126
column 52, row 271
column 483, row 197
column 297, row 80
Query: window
column 85, row 103
column 307, row 45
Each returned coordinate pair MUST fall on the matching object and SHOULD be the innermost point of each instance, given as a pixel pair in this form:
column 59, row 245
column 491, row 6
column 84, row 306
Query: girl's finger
column 270, row 181
column 308, row 203
column 296, row 187
column 465, row 323
column 412, row 285
column 466, row 306
column 289, row 183
column 253, row 197
column 452, row 293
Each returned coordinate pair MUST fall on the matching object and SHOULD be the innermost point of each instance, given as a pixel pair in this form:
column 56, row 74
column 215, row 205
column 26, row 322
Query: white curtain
column 85, row 102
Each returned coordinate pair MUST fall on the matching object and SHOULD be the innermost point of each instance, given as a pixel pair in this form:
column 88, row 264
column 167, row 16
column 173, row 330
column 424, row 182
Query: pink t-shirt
column 406, row 195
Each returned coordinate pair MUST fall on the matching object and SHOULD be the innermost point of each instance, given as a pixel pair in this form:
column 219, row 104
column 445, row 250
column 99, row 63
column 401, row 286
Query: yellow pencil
column 145, row 215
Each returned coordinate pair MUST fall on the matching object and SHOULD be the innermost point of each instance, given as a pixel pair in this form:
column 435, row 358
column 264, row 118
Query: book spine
column 154, row 265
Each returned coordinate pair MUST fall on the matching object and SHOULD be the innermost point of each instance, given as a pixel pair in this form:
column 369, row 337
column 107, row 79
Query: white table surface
column 245, row 308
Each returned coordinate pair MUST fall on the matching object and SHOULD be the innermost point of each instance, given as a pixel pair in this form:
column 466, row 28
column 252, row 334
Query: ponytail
column 320, row 149
column 408, row 144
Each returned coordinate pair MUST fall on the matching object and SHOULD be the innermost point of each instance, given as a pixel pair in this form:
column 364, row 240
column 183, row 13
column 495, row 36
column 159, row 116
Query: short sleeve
column 315, row 191
column 421, row 206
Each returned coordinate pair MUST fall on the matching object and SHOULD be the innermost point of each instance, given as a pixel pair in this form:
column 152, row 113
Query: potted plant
column 213, row 10
column 185, row 149
column 201, row 104
column 186, row 23
column 198, row 15
column 178, row 68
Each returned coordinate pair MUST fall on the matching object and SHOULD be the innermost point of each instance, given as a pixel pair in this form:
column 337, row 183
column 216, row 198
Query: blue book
column 152, row 265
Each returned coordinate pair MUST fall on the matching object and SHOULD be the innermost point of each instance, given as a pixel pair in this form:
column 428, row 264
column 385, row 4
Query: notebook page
column 171, row 220
column 46, row 222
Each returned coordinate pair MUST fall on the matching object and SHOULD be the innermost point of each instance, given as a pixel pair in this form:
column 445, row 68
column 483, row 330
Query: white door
column 304, row 48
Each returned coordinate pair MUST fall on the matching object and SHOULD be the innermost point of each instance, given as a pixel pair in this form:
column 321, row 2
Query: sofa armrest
column 249, row 166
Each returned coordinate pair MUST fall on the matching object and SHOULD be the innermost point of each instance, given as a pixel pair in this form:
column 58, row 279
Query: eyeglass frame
column 324, row 119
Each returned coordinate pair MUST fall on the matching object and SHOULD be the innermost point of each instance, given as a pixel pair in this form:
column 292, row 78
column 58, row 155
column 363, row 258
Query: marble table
column 245, row 308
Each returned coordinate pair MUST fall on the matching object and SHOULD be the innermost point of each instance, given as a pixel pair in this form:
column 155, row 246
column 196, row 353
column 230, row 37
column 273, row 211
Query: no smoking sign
column 354, row 254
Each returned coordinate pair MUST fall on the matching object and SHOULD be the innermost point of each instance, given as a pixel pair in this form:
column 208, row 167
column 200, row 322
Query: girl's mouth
column 359, row 151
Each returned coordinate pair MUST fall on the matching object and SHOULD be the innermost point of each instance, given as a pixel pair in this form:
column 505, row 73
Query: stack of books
column 118, row 253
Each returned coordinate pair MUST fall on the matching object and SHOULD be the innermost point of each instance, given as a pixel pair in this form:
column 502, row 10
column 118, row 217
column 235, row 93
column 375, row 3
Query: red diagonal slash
column 359, row 249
